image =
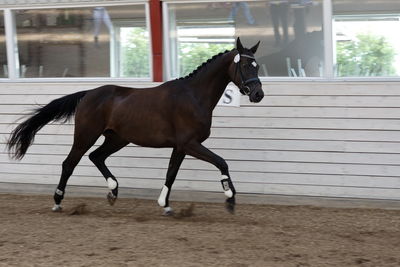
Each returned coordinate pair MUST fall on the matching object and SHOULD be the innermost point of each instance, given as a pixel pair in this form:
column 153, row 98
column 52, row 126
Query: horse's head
column 244, row 72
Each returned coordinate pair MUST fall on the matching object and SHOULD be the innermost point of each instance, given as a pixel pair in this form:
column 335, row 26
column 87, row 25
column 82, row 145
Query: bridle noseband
column 244, row 88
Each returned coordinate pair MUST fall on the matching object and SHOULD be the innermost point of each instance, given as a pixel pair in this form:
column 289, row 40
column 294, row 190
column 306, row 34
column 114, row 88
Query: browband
column 248, row 56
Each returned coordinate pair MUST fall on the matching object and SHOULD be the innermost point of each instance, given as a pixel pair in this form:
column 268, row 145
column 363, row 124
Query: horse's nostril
column 258, row 96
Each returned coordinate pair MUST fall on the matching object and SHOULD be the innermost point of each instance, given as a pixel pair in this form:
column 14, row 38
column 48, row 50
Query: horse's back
column 140, row 116
column 147, row 117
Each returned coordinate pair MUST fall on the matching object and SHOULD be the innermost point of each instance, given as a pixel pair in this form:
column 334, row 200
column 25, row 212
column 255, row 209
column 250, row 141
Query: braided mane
column 193, row 73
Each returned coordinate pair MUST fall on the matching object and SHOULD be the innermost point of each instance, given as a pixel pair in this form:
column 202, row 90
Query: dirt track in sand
column 133, row 233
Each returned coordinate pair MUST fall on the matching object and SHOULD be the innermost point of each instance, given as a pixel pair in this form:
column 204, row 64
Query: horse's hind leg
column 82, row 143
column 112, row 144
column 173, row 167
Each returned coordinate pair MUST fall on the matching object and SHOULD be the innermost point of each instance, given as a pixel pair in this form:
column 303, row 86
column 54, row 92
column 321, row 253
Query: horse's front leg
column 199, row 151
column 173, row 167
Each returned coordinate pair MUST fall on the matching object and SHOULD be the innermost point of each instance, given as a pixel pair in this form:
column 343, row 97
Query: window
column 3, row 51
column 114, row 40
column 366, row 39
column 290, row 32
column 83, row 42
column 133, row 52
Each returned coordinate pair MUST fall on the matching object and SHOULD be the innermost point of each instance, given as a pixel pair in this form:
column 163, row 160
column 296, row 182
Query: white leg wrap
column 56, row 207
column 162, row 199
column 111, row 183
column 59, row 192
column 227, row 191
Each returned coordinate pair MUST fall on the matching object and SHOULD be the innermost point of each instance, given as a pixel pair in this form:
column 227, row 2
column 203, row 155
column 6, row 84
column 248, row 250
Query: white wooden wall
column 305, row 138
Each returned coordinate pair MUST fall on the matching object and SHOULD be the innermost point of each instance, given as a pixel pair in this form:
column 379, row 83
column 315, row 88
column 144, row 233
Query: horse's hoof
column 56, row 208
column 230, row 205
column 168, row 211
column 111, row 198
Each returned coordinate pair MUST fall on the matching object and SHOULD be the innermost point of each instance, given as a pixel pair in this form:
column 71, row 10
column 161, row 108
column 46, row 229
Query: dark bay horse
column 174, row 114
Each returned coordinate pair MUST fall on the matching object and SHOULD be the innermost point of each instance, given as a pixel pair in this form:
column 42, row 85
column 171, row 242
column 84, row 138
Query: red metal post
column 156, row 38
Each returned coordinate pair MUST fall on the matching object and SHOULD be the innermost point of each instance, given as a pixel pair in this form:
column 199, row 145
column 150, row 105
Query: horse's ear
column 254, row 48
column 239, row 46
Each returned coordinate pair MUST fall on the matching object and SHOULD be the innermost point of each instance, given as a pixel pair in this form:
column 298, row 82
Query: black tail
column 22, row 136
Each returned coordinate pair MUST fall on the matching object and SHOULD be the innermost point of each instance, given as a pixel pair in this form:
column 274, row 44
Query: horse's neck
column 210, row 83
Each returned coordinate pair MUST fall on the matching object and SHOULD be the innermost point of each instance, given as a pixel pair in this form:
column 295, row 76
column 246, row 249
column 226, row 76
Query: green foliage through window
column 194, row 54
column 135, row 54
column 367, row 55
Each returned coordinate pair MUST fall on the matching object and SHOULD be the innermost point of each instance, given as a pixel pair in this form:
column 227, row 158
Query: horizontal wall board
column 264, row 112
column 126, row 167
column 285, row 189
column 327, row 101
column 307, row 112
column 345, row 181
column 270, row 88
column 333, row 89
column 279, row 101
column 307, row 134
column 11, row 121
column 237, row 155
column 47, row 135
column 254, row 144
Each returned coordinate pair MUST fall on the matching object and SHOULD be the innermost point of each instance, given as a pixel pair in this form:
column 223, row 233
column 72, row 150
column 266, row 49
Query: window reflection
column 364, row 36
column 3, row 51
column 84, row 42
column 290, row 33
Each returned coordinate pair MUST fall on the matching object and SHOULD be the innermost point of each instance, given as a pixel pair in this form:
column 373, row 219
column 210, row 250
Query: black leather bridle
column 244, row 85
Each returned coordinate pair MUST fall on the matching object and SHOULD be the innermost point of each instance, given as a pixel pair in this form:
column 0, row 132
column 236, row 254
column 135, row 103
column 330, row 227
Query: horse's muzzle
column 257, row 94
